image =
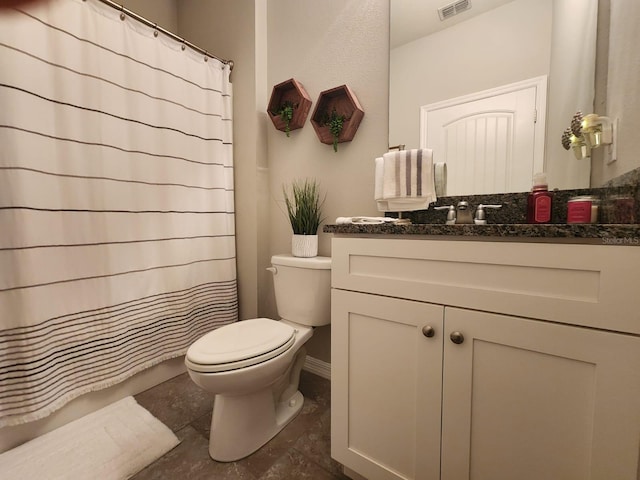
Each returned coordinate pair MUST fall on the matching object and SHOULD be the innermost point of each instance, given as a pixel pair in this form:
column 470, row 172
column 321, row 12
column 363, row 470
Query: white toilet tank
column 303, row 289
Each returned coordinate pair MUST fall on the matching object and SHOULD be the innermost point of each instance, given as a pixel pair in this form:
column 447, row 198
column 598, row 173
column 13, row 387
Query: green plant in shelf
column 304, row 206
column 335, row 123
column 286, row 114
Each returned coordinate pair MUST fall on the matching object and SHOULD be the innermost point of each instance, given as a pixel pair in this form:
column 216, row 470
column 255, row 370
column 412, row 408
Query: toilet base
column 242, row 424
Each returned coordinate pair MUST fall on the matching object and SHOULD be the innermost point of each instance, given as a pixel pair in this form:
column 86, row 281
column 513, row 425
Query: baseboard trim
column 319, row 367
column 351, row 474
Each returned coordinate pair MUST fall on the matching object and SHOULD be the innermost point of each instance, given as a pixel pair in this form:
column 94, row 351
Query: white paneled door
column 491, row 141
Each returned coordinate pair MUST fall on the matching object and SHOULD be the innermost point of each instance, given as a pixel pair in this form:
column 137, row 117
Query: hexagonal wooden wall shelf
column 293, row 92
column 346, row 104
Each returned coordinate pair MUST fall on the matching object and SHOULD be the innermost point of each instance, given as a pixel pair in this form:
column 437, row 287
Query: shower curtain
column 117, row 246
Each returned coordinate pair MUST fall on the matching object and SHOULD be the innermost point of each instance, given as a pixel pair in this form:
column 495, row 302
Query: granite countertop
column 619, row 223
column 608, row 234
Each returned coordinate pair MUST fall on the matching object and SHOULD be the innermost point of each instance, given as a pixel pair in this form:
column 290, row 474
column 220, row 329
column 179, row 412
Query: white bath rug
column 112, row 443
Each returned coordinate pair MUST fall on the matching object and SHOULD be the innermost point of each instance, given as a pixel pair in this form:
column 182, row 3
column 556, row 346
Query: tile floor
column 300, row 451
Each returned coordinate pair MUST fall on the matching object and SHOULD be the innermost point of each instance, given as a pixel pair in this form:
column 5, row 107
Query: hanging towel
column 440, row 178
column 383, row 206
column 408, row 180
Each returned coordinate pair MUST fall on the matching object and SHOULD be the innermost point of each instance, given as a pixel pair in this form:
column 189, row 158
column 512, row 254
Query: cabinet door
column 386, row 383
column 534, row 400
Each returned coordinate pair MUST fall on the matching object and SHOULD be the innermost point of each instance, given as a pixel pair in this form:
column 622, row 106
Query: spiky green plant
column 304, row 206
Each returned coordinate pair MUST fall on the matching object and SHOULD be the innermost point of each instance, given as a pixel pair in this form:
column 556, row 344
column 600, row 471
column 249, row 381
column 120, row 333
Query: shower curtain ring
column 122, row 15
column 155, row 30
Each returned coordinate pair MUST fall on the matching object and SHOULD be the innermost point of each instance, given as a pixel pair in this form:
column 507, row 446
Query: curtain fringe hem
column 21, row 419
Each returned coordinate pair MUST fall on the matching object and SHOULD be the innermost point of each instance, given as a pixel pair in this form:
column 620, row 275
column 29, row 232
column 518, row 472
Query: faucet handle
column 480, row 218
column 451, row 214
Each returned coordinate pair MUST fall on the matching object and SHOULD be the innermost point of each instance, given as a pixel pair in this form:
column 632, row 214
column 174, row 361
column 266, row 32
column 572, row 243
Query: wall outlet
column 611, row 150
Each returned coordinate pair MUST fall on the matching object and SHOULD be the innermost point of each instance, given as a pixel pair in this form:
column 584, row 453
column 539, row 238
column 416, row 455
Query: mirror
column 488, row 45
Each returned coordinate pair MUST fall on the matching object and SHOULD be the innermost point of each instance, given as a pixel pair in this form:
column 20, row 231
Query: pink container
column 582, row 209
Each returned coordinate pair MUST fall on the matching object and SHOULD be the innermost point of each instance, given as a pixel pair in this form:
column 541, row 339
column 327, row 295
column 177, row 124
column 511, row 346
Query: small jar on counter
column 582, row 209
column 619, row 209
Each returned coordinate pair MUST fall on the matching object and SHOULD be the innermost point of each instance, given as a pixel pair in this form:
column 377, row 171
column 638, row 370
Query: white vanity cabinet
column 386, row 383
column 542, row 382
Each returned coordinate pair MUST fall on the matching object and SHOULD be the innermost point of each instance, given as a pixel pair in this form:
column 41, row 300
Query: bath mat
column 112, row 443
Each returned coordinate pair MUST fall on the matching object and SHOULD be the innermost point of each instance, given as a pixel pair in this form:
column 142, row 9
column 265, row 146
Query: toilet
column 253, row 366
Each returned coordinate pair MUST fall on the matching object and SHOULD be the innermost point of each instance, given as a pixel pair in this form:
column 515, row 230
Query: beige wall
column 623, row 89
column 505, row 45
column 162, row 12
column 323, row 45
column 233, row 29
column 571, row 87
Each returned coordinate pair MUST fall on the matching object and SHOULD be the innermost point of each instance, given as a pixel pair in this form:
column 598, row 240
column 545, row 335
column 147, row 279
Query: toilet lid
column 240, row 344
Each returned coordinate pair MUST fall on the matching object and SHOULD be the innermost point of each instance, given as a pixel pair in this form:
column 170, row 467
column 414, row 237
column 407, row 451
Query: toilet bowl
column 253, row 366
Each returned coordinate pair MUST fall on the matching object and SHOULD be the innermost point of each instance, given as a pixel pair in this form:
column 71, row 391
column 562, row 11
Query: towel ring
column 398, row 147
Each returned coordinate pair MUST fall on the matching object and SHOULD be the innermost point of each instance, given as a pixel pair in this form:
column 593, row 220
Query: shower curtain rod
column 135, row 16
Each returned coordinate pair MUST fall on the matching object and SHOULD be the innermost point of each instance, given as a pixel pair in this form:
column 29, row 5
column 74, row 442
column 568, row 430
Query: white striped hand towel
column 408, row 178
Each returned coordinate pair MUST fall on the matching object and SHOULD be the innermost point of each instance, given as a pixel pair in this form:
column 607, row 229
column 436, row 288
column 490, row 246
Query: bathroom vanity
column 490, row 358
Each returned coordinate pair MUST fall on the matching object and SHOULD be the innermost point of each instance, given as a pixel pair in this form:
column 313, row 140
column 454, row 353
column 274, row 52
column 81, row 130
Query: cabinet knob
column 456, row 337
column 428, row 331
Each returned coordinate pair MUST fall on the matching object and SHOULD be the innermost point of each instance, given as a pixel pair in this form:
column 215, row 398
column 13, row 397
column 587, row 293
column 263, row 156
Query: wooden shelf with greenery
column 337, row 116
column 289, row 106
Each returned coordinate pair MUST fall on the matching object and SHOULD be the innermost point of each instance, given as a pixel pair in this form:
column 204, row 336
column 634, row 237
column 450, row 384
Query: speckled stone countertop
column 509, row 222
column 575, row 233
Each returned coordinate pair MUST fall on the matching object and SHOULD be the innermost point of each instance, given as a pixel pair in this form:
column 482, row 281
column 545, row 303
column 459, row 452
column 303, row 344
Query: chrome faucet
column 451, row 213
column 480, row 218
column 462, row 213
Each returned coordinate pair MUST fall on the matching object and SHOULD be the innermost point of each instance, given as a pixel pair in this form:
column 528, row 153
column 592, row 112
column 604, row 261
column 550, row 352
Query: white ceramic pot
column 304, row 245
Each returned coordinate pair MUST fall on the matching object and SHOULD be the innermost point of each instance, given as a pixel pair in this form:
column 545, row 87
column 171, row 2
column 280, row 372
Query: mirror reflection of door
column 491, row 141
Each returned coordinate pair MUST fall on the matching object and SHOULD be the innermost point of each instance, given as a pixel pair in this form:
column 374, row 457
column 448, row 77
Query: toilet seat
column 240, row 344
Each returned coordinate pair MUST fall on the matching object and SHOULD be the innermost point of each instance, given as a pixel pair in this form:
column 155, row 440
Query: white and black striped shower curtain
column 117, row 246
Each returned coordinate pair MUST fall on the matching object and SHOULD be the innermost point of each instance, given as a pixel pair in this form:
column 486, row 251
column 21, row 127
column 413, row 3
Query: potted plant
column 304, row 208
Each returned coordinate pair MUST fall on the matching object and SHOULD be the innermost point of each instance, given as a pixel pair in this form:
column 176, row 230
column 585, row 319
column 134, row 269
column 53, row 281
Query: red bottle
column 539, row 200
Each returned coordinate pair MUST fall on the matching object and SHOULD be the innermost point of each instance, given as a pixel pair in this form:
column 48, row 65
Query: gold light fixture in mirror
column 597, row 130
column 588, row 132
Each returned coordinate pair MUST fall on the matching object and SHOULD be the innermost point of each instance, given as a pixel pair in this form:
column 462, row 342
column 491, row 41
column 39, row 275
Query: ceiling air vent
column 453, row 8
